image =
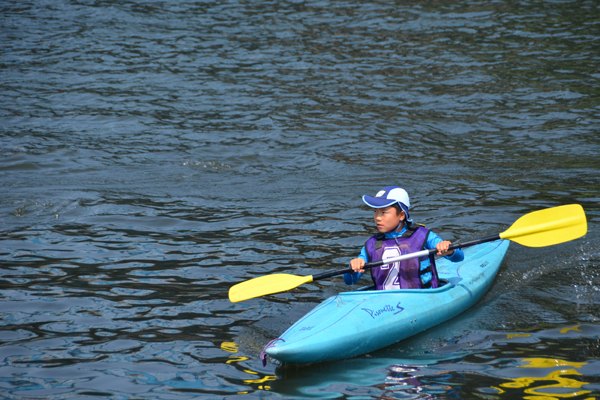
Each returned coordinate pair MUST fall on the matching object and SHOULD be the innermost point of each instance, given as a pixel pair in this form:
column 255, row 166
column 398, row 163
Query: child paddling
column 398, row 235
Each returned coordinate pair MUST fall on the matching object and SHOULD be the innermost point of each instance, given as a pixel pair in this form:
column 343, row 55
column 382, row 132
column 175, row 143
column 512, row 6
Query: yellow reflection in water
column 549, row 363
column 573, row 328
column 563, row 388
column 260, row 380
column 232, row 347
column 514, row 335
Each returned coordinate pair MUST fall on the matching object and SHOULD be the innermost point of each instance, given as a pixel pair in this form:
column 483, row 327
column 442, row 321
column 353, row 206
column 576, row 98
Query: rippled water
column 153, row 154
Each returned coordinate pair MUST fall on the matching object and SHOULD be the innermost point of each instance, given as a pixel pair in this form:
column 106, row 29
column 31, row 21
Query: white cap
column 389, row 196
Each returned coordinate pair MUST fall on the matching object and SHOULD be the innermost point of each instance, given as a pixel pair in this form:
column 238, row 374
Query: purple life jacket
column 404, row 274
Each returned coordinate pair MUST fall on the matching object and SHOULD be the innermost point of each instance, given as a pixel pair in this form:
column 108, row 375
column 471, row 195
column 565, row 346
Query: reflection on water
column 547, row 378
column 495, row 365
column 261, row 381
column 538, row 387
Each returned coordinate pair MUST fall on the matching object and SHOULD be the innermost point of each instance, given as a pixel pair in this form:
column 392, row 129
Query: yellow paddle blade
column 549, row 226
column 264, row 285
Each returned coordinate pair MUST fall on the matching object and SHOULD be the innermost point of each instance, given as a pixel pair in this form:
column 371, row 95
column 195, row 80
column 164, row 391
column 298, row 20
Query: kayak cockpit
column 442, row 283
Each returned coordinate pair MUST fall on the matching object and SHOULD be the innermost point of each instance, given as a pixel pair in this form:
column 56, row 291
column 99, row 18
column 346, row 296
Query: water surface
column 153, row 154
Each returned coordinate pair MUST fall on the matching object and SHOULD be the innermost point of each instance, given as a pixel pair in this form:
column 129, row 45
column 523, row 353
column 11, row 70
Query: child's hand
column 357, row 265
column 442, row 248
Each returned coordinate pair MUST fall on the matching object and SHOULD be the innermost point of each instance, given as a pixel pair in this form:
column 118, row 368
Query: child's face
column 387, row 219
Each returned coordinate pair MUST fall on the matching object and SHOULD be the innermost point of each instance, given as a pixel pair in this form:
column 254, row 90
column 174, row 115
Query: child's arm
column 356, row 264
column 442, row 248
column 436, row 242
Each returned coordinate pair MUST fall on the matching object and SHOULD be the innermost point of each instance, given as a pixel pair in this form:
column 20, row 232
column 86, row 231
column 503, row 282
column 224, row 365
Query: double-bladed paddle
column 536, row 229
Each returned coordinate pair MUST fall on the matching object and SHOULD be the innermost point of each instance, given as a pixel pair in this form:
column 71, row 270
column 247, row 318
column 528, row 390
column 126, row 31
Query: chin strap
column 399, row 226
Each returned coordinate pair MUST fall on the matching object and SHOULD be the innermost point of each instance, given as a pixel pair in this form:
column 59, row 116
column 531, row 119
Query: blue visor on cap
column 378, row 202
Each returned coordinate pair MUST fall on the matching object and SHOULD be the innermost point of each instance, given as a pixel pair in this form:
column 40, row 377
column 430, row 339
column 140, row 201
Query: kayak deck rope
column 263, row 354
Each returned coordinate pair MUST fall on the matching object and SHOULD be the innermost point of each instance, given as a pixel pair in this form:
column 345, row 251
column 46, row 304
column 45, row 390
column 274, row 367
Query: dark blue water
column 153, row 154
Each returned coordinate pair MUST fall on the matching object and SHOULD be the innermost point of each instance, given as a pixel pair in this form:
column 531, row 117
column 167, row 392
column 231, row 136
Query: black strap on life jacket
column 426, row 270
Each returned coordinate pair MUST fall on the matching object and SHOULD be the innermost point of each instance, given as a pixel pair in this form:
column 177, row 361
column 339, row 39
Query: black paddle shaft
column 454, row 246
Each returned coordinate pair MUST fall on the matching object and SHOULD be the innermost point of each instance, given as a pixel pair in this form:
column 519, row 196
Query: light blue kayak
column 359, row 322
